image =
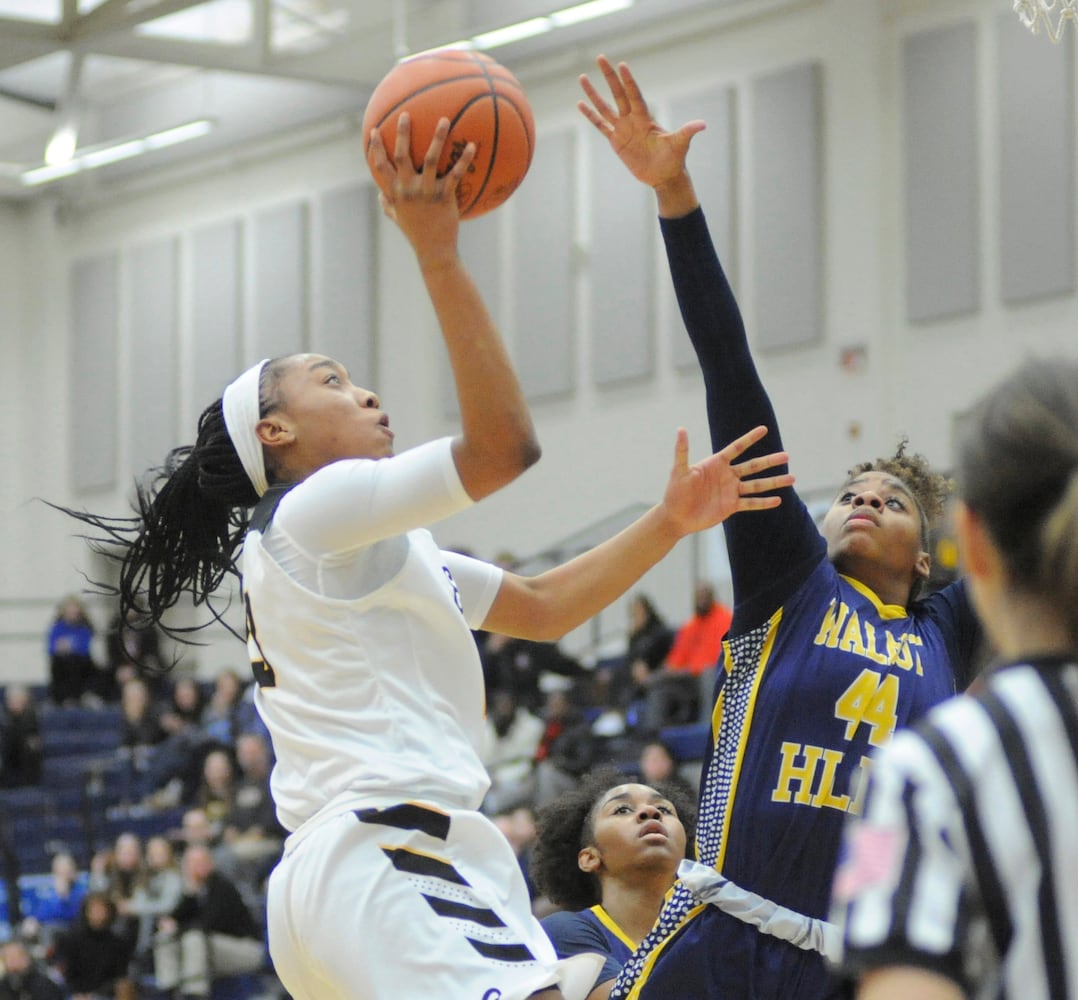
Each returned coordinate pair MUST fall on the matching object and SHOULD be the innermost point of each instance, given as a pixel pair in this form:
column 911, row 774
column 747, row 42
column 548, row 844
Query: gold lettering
column 804, row 774
column 825, row 795
column 871, row 650
column 851, row 639
column 898, row 651
column 832, row 623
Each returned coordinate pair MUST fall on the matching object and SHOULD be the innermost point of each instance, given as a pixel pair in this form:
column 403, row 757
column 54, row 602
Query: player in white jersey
column 392, row 882
column 961, row 873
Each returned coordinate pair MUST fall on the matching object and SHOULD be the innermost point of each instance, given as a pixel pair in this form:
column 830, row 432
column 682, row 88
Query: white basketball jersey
column 376, row 697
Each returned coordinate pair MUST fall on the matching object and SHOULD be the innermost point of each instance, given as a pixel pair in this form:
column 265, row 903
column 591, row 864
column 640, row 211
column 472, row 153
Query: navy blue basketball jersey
column 816, row 673
column 591, row 930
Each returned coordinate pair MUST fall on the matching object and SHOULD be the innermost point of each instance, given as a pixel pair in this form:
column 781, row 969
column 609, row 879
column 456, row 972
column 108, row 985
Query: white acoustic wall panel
column 153, row 386
column 1036, row 175
column 216, row 310
column 279, row 257
column 711, row 163
column 543, row 315
column 787, row 198
column 942, row 183
column 348, row 280
column 93, row 419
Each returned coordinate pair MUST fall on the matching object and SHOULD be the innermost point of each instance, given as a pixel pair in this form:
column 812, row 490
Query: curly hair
column 565, row 826
column 930, row 489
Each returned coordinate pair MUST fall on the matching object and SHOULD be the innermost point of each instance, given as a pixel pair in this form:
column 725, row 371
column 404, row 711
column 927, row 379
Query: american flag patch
column 873, row 860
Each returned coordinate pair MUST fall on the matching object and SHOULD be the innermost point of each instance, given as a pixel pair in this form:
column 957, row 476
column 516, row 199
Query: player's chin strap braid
column 809, row 933
column 240, row 404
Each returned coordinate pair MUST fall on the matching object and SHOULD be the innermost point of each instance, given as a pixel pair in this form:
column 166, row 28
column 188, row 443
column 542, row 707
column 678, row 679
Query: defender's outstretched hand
column 702, row 495
column 653, row 156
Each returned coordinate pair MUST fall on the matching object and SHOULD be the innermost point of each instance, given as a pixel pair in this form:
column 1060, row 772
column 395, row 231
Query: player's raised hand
column 423, row 204
column 654, row 156
column 701, row 495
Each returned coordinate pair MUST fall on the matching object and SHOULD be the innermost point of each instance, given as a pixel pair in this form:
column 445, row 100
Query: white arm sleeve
column 353, row 503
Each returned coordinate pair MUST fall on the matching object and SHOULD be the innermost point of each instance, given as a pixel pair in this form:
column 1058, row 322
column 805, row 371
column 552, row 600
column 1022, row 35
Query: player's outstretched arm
column 698, row 496
column 653, row 156
column 498, row 441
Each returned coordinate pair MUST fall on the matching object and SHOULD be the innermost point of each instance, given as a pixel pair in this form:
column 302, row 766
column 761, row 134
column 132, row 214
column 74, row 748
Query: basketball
column 484, row 103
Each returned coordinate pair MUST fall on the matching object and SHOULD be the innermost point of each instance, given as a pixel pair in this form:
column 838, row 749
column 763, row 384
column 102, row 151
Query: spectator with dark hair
column 211, row 931
column 21, row 978
column 252, row 837
column 133, row 650
column 92, row 957
column 220, row 716
column 21, row 748
column 117, row 873
column 607, row 852
column 658, row 765
column 70, row 660
column 566, row 750
column 510, row 743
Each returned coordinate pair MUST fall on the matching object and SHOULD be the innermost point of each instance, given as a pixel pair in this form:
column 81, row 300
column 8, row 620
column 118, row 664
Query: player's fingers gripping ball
column 485, row 105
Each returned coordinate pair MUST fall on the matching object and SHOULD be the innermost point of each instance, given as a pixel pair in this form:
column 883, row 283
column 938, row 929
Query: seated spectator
column 175, row 769
column 518, row 827
column 70, row 661
column 141, row 733
column 510, row 742
column 680, row 691
column 92, row 958
column 647, row 645
column 210, row 933
column 518, row 665
column 195, row 829
column 21, row 748
column 157, row 893
column 216, row 792
column 658, row 765
column 607, row 852
column 133, row 651
column 117, row 873
column 57, row 904
column 23, row 978
column 220, row 717
column 253, row 838
column 566, row 750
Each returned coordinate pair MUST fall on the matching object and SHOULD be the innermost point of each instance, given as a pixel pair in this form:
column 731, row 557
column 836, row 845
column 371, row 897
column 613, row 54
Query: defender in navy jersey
column 959, row 880
column 392, row 883
column 829, row 651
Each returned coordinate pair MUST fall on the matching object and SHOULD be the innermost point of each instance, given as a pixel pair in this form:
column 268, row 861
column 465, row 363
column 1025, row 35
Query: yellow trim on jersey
column 746, row 726
column 649, row 962
column 889, row 612
column 608, row 922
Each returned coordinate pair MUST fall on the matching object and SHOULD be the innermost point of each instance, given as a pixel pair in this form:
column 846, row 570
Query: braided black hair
column 191, row 514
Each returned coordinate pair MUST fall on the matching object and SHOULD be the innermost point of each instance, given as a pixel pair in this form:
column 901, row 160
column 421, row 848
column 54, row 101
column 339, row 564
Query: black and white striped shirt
column 965, row 861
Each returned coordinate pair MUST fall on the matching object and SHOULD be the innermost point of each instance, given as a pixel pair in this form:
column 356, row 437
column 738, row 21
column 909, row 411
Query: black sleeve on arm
column 771, row 552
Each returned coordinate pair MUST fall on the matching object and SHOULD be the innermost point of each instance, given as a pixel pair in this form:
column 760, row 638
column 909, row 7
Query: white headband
column 242, row 412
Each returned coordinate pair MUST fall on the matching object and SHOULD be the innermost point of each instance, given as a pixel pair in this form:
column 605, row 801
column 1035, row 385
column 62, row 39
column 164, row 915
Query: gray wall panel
column 712, row 164
column 787, row 207
column 348, row 281
column 153, row 391
column 543, row 318
column 1036, row 127
column 622, row 312
column 92, row 373
column 942, row 177
column 280, row 281
column 216, row 304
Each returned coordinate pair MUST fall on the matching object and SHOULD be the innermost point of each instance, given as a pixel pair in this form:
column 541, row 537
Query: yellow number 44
column 870, row 699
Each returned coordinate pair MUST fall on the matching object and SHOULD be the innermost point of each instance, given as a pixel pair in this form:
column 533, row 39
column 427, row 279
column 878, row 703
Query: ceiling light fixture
column 521, row 30
column 92, row 157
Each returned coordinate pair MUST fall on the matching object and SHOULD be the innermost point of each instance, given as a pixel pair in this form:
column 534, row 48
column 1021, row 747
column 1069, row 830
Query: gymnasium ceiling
column 259, row 70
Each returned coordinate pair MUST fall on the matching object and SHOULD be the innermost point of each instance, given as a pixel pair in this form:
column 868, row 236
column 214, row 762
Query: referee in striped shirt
column 960, row 879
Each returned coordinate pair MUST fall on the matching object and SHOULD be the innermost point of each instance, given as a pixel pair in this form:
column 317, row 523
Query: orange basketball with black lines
column 484, row 103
